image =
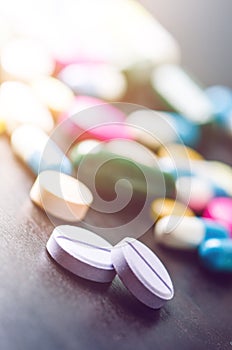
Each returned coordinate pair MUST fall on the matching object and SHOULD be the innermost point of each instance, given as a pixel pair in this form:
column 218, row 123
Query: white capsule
column 18, row 105
column 25, row 60
column 39, row 152
column 152, row 128
column 95, row 79
column 196, row 192
column 182, row 93
column 53, row 93
column 182, row 232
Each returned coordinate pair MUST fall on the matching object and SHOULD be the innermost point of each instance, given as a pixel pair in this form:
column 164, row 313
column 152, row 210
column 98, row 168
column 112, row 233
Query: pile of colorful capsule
column 56, row 81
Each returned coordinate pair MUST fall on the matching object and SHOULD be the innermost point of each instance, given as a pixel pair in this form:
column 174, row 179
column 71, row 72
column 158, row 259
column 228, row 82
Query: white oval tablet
column 142, row 272
column 61, row 195
column 82, row 252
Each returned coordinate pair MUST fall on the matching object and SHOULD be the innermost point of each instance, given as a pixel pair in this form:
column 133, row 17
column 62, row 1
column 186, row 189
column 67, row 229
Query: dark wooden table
column 43, row 307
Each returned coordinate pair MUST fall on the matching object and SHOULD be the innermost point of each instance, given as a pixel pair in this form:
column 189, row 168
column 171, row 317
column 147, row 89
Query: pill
column 220, row 209
column 183, row 232
column 61, row 195
column 142, row 272
column 82, row 148
column 90, row 117
column 110, row 40
column 101, row 80
column 221, row 99
column 216, row 254
column 54, row 94
column 189, row 132
column 182, row 93
column 196, row 192
column 175, row 151
column 152, row 128
column 82, row 252
column 39, row 152
column 161, row 207
column 132, row 150
column 123, row 176
column 218, row 173
column 2, row 126
column 18, row 106
column 25, row 59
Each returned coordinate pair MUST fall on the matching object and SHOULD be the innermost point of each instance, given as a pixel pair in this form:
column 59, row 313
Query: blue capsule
column 221, row 99
column 189, row 132
column 216, row 254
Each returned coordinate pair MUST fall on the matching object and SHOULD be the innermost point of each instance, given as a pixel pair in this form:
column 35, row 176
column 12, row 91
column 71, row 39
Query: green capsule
column 109, row 175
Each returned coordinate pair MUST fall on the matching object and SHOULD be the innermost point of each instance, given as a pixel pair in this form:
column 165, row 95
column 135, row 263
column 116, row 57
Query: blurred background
column 204, row 32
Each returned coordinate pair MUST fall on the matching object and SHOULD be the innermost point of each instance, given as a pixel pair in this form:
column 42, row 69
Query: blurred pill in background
column 82, row 252
column 221, row 100
column 161, row 207
column 216, row 254
column 132, row 150
column 82, row 148
column 181, row 93
column 142, row 272
column 220, row 209
column 152, row 128
column 101, row 80
column 89, row 117
column 39, row 152
column 219, row 173
column 183, row 232
column 18, row 105
column 54, row 94
column 61, row 195
column 196, row 192
column 111, row 175
column 25, row 59
column 107, row 36
column 178, row 151
column 189, row 132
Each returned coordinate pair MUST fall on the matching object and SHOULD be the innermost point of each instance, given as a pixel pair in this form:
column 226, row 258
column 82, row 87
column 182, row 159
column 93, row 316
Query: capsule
column 221, row 99
column 101, row 80
column 162, row 207
column 124, row 148
column 33, row 146
column 189, row 132
column 178, row 151
column 196, row 192
column 90, row 117
column 25, row 59
column 220, row 209
column 216, row 254
column 108, row 174
column 54, row 94
column 186, row 233
column 19, row 105
column 182, row 93
column 152, row 128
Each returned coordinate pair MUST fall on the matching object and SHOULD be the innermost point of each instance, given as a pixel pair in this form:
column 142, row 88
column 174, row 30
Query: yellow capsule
column 164, row 207
column 175, row 150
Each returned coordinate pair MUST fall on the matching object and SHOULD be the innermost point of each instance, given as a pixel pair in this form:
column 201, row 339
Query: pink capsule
column 220, row 209
column 90, row 117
